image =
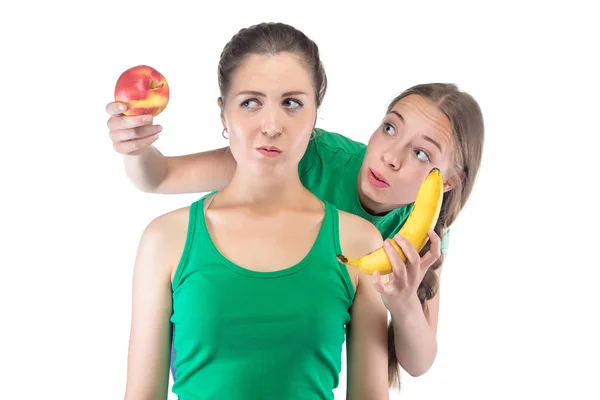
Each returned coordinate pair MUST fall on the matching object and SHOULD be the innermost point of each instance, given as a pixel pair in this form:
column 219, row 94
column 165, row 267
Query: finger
column 398, row 266
column 127, row 122
column 378, row 283
column 142, row 132
column 435, row 250
column 135, row 146
column 413, row 259
column 115, row 108
column 412, row 255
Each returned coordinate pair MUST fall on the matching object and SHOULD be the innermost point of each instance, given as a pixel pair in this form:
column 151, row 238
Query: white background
column 518, row 307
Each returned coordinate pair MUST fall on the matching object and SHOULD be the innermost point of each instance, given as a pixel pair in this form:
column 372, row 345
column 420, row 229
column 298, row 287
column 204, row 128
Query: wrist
column 406, row 309
column 141, row 154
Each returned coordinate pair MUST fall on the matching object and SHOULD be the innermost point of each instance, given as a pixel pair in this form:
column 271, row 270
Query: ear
column 448, row 186
column 454, row 181
column 222, row 115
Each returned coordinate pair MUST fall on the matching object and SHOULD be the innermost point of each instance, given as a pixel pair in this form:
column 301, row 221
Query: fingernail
column 147, row 118
column 121, row 107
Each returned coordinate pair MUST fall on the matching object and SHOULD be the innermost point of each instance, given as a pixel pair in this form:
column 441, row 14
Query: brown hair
column 270, row 39
column 466, row 120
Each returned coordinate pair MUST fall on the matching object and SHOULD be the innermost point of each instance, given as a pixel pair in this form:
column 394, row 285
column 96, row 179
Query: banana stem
column 347, row 261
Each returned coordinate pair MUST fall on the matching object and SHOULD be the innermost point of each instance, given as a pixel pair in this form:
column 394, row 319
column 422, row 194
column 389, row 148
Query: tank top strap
column 193, row 237
column 330, row 247
column 331, row 226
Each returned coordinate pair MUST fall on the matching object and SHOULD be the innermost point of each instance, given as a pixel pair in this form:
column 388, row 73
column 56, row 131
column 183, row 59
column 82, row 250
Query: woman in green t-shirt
column 426, row 126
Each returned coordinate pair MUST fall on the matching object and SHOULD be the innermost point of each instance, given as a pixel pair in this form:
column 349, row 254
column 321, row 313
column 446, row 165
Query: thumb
column 115, row 108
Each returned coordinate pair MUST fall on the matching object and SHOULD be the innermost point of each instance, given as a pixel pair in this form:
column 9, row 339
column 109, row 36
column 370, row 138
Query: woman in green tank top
column 244, row 284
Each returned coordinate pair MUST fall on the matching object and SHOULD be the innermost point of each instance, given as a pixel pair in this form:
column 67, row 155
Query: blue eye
column 248, row 103
column 291, row 103
column 389, row 129
column 422, row 156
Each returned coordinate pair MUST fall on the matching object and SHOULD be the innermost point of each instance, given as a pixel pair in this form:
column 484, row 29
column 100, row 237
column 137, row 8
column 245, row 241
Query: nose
column 272, row 125
column 391, row 157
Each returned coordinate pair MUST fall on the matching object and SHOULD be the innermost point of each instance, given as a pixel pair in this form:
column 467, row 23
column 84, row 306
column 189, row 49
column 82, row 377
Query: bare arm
column 153, row 172
column 367, row 345
column 415, row 341
column 415, row 334
column 150, row 171
column 150, row 335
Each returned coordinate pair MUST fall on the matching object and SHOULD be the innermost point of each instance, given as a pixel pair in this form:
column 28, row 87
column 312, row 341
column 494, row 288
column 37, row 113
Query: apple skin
column 143, row 89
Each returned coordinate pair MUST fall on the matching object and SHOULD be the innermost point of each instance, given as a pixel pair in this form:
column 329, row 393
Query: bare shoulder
column 163, row 239
column 159, row 250
column 357, row 238
column 357, row 235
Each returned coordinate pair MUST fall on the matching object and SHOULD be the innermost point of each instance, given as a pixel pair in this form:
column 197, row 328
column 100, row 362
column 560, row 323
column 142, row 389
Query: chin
column 372, row 193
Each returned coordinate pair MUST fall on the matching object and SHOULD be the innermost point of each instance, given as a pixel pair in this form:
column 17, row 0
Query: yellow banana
column 421, row 219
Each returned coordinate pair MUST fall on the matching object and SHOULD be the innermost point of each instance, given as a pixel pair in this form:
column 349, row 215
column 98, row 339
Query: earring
column 223, row 134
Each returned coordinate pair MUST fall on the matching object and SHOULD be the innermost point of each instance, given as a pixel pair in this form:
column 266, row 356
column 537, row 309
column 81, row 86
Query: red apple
column 143, row 89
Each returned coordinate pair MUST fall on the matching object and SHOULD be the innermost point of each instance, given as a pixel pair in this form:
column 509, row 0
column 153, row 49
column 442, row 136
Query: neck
column 370, row 206
column 264, row 190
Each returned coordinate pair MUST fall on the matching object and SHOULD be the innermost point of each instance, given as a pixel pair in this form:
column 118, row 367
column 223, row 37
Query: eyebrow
column 255, row 93
column 397, row 114
column 434, row 142
column 427, row 138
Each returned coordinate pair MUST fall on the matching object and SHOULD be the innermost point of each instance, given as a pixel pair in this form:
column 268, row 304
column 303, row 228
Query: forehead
column 283, row 71
column 424, row 116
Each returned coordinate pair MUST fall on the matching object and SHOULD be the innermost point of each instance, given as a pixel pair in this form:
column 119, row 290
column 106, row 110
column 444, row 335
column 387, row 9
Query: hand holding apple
column 143, row 89
column 141, row 93
column 130, row 135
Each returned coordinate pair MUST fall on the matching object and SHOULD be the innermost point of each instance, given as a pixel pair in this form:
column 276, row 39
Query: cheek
column 299, row 143
column 236, row 146
column 236, row 134
column 410, row 177
column 240, row 126
column 240, row 138
column 375, row 148
column 301, row 131
column 375, row 140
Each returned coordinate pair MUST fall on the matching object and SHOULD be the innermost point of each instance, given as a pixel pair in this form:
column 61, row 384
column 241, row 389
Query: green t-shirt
column 330, row 168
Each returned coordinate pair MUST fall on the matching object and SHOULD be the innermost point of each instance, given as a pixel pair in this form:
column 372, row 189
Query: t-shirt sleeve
column 445, row 242
column 328, row 151
column 310, row 159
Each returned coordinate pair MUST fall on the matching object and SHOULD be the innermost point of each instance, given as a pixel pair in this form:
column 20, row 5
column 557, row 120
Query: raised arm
column 150, row 171
column 150, row 335
column 367, row 343
column 414, row 332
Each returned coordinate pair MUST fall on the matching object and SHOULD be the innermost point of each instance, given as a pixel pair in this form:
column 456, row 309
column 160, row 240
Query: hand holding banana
column 415, row 230
column 399, row 258
column 399, row 293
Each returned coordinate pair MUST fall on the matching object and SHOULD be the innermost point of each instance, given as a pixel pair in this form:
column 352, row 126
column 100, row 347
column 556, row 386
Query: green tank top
column 329, row 169
column 242, row 334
